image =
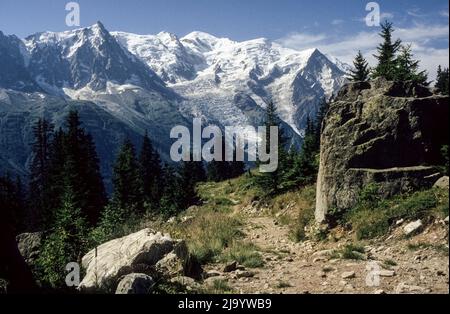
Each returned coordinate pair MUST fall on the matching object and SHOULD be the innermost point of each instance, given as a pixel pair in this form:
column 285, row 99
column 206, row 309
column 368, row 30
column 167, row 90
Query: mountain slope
column 213, row 73
column 88, row 57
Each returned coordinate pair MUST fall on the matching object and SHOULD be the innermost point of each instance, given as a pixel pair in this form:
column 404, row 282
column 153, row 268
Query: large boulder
column 138, row 251
column 389, row 133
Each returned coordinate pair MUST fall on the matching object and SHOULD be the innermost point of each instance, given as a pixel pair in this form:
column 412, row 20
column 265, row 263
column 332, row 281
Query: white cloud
column 444, row 13
column 419, row 36
column 386, row 16
column 295, row 40
column 337, row 22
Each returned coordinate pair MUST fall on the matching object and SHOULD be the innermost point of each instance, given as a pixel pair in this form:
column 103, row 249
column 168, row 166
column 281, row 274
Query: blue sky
column 335, row 27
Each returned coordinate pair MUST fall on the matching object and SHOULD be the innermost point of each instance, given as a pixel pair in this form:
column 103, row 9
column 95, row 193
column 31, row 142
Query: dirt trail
column 395, row 265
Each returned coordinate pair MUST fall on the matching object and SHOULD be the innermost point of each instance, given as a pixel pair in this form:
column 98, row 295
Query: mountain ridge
column 153, row 82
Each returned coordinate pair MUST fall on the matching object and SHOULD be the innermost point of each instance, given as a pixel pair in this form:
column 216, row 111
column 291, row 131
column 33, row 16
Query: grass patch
column 283, row 285
column 219, row 286
column 209, row 234
column 297, row 208
column 389, row 263
column 373, row 216
column 350, row 251
column 244, row 253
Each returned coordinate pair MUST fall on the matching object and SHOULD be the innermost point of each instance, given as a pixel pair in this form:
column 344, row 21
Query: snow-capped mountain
column 124, row 84
column 88, row 57
column 13, row 68
column 220, row 78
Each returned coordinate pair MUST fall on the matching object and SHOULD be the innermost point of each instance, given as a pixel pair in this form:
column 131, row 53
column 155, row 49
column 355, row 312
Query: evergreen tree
column 127, row 194
column 386, row 55
column 66, row 243
column 151, row 173
column 39, row 182
column 270, row 181
column 191, row 173
column 12, row 203
column 81, row 169
column 172, row 198
column 321, row 114
column 442, row 81
column 407, row 69
column 307, row 161
column 220, row 170
column 361, row 71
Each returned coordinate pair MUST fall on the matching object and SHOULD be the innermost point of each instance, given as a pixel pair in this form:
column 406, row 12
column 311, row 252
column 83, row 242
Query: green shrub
column 373, row 216
column 244, row 253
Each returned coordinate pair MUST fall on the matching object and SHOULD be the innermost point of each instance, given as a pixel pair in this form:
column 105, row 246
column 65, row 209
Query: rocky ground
column 392, row 264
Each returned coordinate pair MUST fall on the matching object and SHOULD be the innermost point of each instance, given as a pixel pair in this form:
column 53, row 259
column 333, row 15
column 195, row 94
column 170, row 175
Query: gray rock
column 135, row 284
column 244, row 274
column 29, row 245
column 115, row 258
column 187, row 282
column 442, row 183
column 413, row 227
column 228, row 268
column 405, row 288
column 386, row 273
column 379, row 132
column 348, row 275
column 173, row 264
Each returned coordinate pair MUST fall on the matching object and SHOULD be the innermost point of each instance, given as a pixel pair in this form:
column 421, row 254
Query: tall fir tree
column 191, row 173
column 172, row 197
column 321, row 114
column 82, row 169
column 361, row 69
column 407, row 69
column 40, row 195
column 386, row 55
column 12, row 203
column 151, row 173
column 307, row 159
column 270, row 181
column 442, row 81
column 127, row 194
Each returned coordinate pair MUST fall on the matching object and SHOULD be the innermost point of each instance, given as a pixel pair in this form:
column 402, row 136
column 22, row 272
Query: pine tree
column 321, row 114
column 172, row 198
column 127, row 194
column 442, row 81
column 191, row 173
column 151, row 173
column 307, row 161
column 39, row 182
column 270, row 181
column 12, row 203
column 386, row 53
column 66, row 243
column 407, row 69
column 361, row 71
column 81, row 169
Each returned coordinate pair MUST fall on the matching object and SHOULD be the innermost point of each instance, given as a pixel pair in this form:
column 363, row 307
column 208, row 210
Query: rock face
column 111, row 260
column 135, row 284
column 442, row 183
column 389, row 133
column 29, row 245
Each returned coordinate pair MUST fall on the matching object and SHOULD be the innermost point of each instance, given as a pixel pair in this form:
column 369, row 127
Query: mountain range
column 124, row 84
